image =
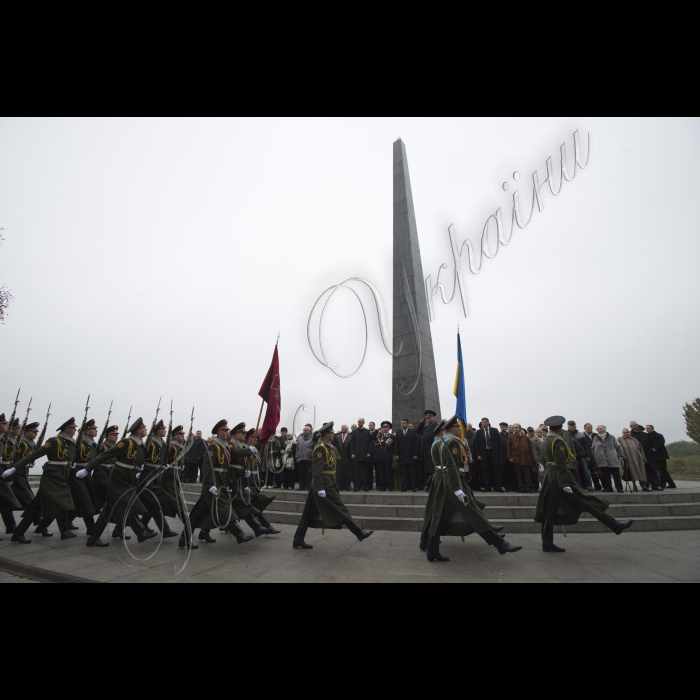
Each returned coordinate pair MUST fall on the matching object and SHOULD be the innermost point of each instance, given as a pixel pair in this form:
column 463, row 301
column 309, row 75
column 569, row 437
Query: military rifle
column 127, row 426
column 190, row 439
column 153, row 427
column 21, row 432
column 104, row 432
column 169, row 439
column 9, row 426
column 81, row 432
column 40, row 441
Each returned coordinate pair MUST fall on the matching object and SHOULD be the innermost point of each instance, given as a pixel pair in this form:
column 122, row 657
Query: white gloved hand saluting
column 8, row 473
column 322, row 494
column 214, row 491
column 248, row 474
column 254, row 450
column 81, row 474
column 568, row 490
column 461, row 495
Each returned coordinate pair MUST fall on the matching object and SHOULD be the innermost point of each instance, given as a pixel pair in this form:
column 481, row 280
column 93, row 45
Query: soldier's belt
column 56, row 464
column 440, row 469
column 551, row 464
column 4, row 464
column 125, row 466
column 220, row 471
column 329, row 473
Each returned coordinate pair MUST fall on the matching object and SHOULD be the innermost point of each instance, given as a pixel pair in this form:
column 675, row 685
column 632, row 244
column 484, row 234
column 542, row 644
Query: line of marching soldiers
column 133, row 480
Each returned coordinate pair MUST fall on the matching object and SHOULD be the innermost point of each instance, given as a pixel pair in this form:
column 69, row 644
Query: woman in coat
column 607, row 453
column 635, row 459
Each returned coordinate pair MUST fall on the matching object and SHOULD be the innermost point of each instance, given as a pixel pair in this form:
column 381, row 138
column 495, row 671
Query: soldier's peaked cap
column 112, row 429
column 451, row 423
column 239, row 428
column 159, row 425
column 3, row 419
column 90, row 424
column 441, row 427
column 179, row 430
column 138, row 424
column 431, row 413
column 33, row 426
column 387, row 424
column 221, row 424
column 250, row 433
column 68, row 424
column 15, row 423
column 326, row 428
column 555, row 422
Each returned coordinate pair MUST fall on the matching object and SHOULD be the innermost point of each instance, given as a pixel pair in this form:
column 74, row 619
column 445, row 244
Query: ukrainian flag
column 460, row 389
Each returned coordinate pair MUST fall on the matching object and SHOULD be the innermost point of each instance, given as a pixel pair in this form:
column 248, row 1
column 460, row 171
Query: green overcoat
column 20, row 480
column 557, row 477
column 243, row 504
column 54, row 492
column 99, row 479
column 169, row 479
column 154, row 496
column 80, row 489
column 243, row 459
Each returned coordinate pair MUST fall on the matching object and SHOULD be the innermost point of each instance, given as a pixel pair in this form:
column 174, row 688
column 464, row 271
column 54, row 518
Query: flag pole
column 257, row 429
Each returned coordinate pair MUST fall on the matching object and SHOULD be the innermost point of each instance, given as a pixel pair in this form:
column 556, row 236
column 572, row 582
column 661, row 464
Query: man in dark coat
column 652, row 470
column 657, row 442
column 344, row 469
column 361, row 446
column 487, row 451
column 383, row 456
column 194, row 459
column 426, row 431
column 407, row 449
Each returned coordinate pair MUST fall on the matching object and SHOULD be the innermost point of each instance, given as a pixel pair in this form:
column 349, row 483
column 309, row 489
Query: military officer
column 426, row 430
column 100, row 475
column 383, row 456
column 8, row 499
column 324, row 507
column 170, row 478
column 452, row 509
column 128, row 458
column 20, row 480
column 80, row 488
column 53, row 499
column 159, row 502
column 215, row 507
column 562, row 500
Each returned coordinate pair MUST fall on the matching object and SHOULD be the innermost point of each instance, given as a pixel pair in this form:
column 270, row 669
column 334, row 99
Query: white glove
column 322, row 494
column 254, row 450
column 568, row 490
column 247, row 490
column 81, row 474
column 460, row 495
column 8, row 473
column 248, row 474
column 541, row 469
column 214, row 491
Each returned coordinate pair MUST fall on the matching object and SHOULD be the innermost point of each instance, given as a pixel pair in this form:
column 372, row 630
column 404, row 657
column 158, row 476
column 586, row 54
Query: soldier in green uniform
column 8, row 499
column 324, row 508
column 215, row 507
column 100, row 475
column 156, row 499
column 80, row 488
column 54, row 499
column 562, row 500
column 452, row 510
column 169, row 479
column 20, row 479
column 122, row 485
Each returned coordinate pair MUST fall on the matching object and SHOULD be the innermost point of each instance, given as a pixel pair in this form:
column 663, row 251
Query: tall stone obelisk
column 414, row 386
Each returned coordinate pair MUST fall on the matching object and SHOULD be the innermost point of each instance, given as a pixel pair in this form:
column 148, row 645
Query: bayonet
column 104, row 432
column 40, row 442
column 127, row 426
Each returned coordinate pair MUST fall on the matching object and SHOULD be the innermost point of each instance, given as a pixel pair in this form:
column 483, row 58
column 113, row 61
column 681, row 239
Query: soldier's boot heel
column 356, row 530
column 18, row 537
column 140, row 531
column 255, row 526
column 96, row 542
column 300, row 544
column 266, row 524
column 43, row 528
column 434, row 556
column 205, row 536
column 167, row 532
column 237, row 531
column 186, row 540
column 551, row 548
column 503, row 547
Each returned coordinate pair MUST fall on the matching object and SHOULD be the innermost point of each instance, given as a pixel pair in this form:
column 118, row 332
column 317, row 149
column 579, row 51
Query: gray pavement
column 387, row 557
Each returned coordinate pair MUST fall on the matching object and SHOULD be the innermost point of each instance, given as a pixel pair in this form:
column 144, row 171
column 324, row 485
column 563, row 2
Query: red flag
column 270, row 393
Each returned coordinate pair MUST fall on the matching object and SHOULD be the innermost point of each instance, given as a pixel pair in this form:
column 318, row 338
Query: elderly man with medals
column 452, row 510
column 324, row 508
column 562, row 500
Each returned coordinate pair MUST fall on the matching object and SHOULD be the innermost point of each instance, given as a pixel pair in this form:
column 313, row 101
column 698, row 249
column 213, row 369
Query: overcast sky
column 162, row 256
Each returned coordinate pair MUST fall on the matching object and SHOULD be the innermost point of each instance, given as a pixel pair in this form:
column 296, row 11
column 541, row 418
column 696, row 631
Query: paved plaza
column 387, row 557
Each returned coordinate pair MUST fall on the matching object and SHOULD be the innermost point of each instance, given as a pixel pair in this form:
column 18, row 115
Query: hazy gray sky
column 155, row 256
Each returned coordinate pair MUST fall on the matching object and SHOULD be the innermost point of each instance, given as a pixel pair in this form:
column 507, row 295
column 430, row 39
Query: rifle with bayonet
column 21, row 432
column 6, row 440
column 40, row 441
column 104, row 431
column 81, row 432
column 169, row 439
column 127, row 426
column 153, row 427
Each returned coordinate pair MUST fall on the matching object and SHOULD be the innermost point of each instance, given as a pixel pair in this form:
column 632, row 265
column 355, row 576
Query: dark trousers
column 359, row 475
column 608, row 475
column 596, row 476
column 491, row 472
column 410, row 476
column 523, row 475
column 191, row 472
column 290, row 478
column 664, row 476
column 369, row 476
column 304, row 475
column 344, row 474
column 653, row 474
column 385, row 476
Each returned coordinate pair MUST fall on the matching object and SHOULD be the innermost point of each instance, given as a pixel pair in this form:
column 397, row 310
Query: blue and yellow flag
column 460, row 389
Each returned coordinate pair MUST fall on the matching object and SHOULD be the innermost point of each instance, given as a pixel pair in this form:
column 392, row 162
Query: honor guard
column 8, row 499
column 80, row 488
column 562, row 500
column 100, row 475
column 159, row 502
column 53, row 499
column 20, row 480
column 169, row 479
column 324, row 507
column 452, row 509
column 128, row 457
column 383, row 456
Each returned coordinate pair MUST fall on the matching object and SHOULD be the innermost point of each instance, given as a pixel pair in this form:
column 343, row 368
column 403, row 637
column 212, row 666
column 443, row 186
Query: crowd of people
column 505, row 459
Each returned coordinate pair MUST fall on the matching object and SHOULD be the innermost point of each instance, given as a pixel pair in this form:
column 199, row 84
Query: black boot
column 64, row 525
column 434, row 555
column 424, row 539
column 356, row 530
column 19, row 538
column 118, row 533
column 68, row 535
column 548, row 546
column 237, row 531
column 89, row 524
column 43, row 528
column 144, row 521
column 167, row 532
column 501, row 545
column 140, row 531
column 186, row 540
column 10, row 523
column 617, row 526
column 266, row 523
column 300, row 544
column 96, row 542
column 204, row 536
column 256, row 527
column 499, row 528
column 72, row 527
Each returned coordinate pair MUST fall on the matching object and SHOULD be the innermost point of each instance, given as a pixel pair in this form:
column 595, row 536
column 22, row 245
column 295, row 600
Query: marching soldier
column 324, row 507
column 215, row 507
column 20, row 479
column 80, row 488
column 100, row 475
column 170, row 478
column 53, row 499
column 153, row 496
column 562, row 500
column 8, row 499
column 452, row 509
column 128, row 457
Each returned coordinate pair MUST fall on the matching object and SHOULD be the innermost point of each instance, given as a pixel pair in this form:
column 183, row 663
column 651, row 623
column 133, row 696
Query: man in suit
column 344, row 468
column 361, row 448
column 488, row 457
column 657, row 442
column 426, row 431
column 407, row 449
